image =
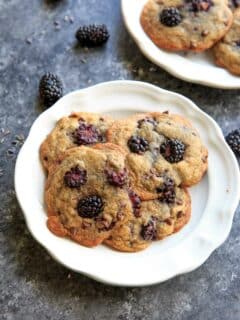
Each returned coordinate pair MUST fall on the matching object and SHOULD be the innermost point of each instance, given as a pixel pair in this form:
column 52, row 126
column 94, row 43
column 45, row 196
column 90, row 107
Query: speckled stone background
column 36, row 36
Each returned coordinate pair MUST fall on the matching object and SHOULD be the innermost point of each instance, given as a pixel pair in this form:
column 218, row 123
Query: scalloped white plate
column 214, row 200
column 198, row 68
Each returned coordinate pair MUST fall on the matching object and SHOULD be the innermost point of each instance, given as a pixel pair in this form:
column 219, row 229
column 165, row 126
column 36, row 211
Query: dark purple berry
column 149, row 231
column 50, row 89
column 237, row 43
column 90, row 207
column 136, row 203
column 173, row 150
column 86, row 134
column 138, row 144
column 170, row 17
column 233, row 139
column 147, row 120
column 75, row 178
column 167, row 191
column 235, row 3
column 116, row 178
column 92, row 35
column 199, row 5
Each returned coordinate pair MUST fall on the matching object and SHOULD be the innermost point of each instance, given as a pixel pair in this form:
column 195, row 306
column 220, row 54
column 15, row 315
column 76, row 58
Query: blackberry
column 86, row 134
column 149, row 231
column 200, row 5
column 75, row 178
column 167, row 191
column 90, row 207
column 136, row 203
column 233, row 139
column 116, row 178
column 138, row 144
column 173, row 150
column 50, row 89
column 92, row 35
column 170, row 17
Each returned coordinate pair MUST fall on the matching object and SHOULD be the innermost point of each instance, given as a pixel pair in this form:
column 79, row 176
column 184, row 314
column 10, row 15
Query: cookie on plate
column 85, row 195
column 194, row 25
column 75, row 130
column 227, row 51
column 160, row 146
column 152, row 220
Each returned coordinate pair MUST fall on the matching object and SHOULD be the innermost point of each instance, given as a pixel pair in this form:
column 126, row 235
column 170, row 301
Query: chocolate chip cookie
column 160, row 146
column 152, row 220
column 86, row 194
column 227, row 51
column 75, row 130
column 194, row 25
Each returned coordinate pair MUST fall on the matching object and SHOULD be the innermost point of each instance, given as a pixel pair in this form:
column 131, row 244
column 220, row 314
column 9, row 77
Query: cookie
column 86, row 195
column 194, row 25
column 160, row 146
column 75, row 130
column 154, row 220
column 227, row 51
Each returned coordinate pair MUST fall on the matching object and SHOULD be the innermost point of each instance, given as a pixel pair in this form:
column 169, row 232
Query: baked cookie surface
column 159, row 146
column 72, row 131
column 227, row 51
column 178, row 25
column 153, row 220
column 85, row 194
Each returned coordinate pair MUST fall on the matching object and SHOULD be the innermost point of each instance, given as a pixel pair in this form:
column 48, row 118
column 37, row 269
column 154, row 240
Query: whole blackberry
column 148, row 231
column 92, row 35
column 170, row 17
column 50, row 89
column 138, row 144
column 167, row 191
column 116, row 178
column 173, row 150
column 86, row 134
column 233, row 139
column 90, row 207
column 75, row 178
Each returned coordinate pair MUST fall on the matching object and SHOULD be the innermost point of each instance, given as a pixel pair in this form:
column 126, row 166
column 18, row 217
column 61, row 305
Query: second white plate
column 191, row 67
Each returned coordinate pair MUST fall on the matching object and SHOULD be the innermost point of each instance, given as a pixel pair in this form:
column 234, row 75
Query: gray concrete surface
column 36, row 36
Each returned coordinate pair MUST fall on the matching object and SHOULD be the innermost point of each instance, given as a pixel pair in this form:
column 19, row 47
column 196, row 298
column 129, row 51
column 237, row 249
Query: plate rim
column 96, row 276
column 168, row 68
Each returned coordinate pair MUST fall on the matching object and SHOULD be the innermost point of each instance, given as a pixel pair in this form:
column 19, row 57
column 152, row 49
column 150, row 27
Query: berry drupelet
column 170, row 17
column 50, row 89
column 233, row 139
column 173, row 150
column 92, row 35
column 90, row 207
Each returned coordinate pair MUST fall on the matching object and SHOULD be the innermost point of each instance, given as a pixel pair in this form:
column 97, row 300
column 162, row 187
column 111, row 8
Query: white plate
column 214, row 200
column 198, row 68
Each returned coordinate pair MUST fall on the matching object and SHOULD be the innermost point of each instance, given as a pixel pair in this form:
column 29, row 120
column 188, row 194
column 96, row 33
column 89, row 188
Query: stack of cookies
column 122, row 183
column 196, row 25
